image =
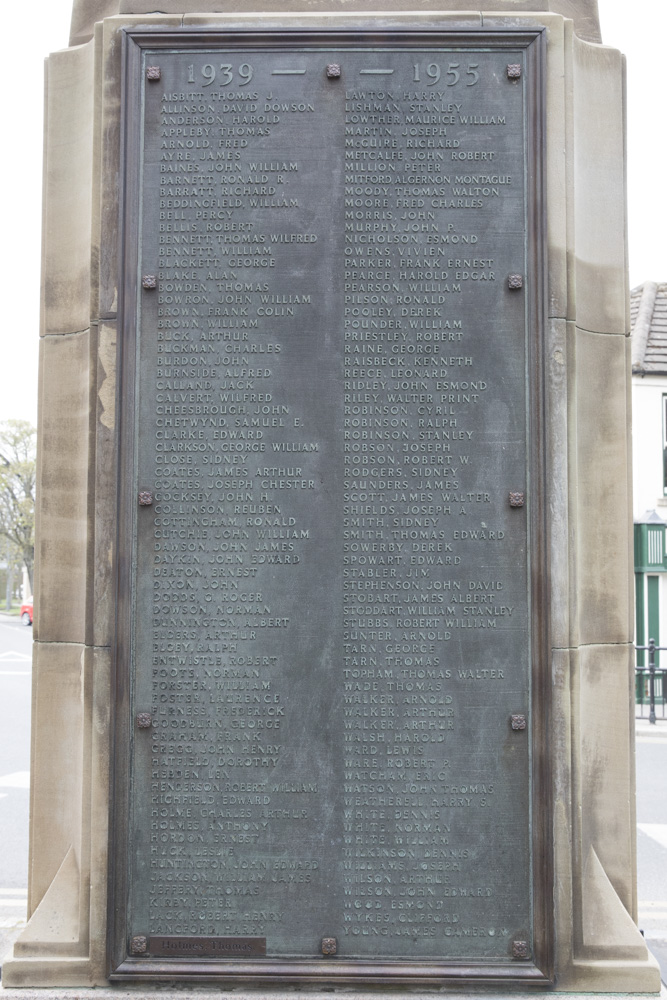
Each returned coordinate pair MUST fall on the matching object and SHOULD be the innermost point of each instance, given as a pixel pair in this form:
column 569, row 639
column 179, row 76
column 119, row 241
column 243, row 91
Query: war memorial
column 333, row 660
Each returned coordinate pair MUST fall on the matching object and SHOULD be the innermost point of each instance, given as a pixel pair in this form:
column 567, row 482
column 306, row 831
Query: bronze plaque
column 206, row 947
column 330, row 610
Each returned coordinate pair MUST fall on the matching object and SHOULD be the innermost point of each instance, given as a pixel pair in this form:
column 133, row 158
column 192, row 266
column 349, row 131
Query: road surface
column 15, row 673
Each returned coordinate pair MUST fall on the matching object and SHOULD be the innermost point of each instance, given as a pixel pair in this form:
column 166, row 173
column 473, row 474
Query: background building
column 649, row 465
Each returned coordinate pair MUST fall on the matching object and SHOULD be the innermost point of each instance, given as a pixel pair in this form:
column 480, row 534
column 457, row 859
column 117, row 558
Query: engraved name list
column 330, row 610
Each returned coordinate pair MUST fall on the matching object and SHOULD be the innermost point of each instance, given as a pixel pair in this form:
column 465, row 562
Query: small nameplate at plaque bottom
column 206, row 947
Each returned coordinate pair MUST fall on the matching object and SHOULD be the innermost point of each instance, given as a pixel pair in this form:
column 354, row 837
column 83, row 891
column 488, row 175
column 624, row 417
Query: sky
column 638, row 29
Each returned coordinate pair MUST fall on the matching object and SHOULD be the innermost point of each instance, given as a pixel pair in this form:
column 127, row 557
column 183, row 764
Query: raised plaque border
column 537, row 971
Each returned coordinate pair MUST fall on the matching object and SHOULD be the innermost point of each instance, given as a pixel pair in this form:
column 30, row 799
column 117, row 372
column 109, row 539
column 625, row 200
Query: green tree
column 18, row 440
column 13, row 573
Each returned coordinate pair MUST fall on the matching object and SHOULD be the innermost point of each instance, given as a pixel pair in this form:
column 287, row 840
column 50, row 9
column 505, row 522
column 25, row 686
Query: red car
column 26, row 613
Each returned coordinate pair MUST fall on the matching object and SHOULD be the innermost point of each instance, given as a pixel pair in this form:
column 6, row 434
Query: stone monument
column 333, row 616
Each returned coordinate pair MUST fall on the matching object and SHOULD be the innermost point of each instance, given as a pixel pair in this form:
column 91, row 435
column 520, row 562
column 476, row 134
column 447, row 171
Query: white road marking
column 24, row 892
column 657, row 831
column 16, row 903
column 19, row 779
column 15, row 673
column 12, row 656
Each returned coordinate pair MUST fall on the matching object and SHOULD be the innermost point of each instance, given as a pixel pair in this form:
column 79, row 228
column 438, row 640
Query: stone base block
column 176, row 994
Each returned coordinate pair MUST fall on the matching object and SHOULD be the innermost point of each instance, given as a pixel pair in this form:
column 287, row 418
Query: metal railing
column 650, row 683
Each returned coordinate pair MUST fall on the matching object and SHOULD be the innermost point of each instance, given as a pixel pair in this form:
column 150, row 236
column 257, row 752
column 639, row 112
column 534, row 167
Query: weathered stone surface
column 59, row 773
column 598, row 102
column 137, row 993
column 462, row 16
column 63, row 513
column 598, row 369
column 605, row 751
column 608, row 948
column 87, row 12
column 64, row 941
column 97, row 159
column 595, row 905
column 563, row 667
column 105, row 485
column 558, row 480
column 99, row 767
column 559, row 36
column 69, row 126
